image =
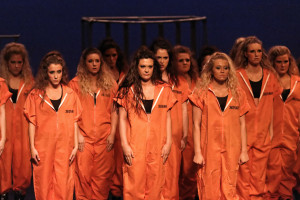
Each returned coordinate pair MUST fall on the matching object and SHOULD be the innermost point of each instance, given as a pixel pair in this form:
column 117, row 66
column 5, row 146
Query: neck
column 253, row 68
column 93, row 77
column 146, row 83
column 165, row 76
column 53, row 87
column 219, row 84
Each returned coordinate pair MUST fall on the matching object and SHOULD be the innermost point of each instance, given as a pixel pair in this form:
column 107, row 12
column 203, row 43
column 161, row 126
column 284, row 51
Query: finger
column 38, row 158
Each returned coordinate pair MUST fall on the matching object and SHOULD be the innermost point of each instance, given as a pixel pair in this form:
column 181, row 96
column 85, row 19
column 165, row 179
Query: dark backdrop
column 48, row 25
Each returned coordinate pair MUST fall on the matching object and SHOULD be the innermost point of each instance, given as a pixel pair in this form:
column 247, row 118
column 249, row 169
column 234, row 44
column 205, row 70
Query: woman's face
column 111, row 57
column 220, row 70
column 282, row 64
column 145, row 69
column 162, row 58
column 54, row 74
column 183, row 63
column 254, row 54
column 93, row 63
column 15, row 64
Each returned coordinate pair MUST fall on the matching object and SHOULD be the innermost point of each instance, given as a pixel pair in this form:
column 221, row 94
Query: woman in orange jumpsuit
column 16, row 70
column 115, row 59
column 53, row 110
column 186, row 66
column 4, row 96
column 219, row 108
column 163, row 53
column 257, row 78
column 145, row 102
column 95, row 160
column 283, row 154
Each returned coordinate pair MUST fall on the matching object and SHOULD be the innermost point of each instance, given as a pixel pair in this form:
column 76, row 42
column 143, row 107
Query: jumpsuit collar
column 229, row 99
column 266, row 76
column 48, row 101
column 157, row 93
column 294, row 81
column 21, row 87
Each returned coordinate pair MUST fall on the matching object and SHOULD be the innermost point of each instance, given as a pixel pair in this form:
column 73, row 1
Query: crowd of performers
column 164, row 127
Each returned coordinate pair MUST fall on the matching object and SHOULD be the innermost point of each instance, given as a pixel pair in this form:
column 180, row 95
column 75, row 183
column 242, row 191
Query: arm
column 185, row 125
column 34, row 154
column 127, row 151
column 198, row 158
column 114, row 121
column 74, row 151
column 3, row 128
column 167, row 147
column 244, row 154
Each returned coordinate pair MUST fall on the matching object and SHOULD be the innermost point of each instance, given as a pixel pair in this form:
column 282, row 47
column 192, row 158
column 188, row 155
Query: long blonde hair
column 276, row 51
column 105, row 80
column 207, row 74
column 241, row 61
column 6, row 53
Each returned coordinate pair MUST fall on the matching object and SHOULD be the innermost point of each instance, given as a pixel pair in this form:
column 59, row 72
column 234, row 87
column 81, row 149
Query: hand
column 128, row 154
column 198, row 159
column 183, row 143
column 110, row 142
column 73, row 155
column 35, row 158
column 80, row 142
column 165, row 152
column 2, row 144
column 243, row 158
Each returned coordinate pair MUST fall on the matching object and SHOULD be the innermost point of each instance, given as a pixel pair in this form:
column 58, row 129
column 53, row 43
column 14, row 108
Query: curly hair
column 105, row 80
column 276, row 51
column 109, row 43
column 193, row 72
column 10, row 49
column 161, row 43
column 207, row 74
column 241, row 60
column 133, row 78
column 42, row 79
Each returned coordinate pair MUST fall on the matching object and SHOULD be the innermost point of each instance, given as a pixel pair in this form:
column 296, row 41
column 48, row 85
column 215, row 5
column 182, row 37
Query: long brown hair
column 10, row 49
column 133, row 78
column 42, row 79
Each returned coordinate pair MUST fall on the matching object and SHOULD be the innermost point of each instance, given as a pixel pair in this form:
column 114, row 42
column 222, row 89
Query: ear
column 245, row 54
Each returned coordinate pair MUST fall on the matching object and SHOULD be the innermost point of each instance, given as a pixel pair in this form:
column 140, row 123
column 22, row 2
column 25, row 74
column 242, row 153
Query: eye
column 90, row 61
column 166, row 57
column 142, row 66
column 218, row 67
column 187, row 60
column 51, row 72
column 59, row 71
column 97, row 60
column 20, row 62
column 150, row 66
column 13, row 62
column 251, row 51
column 226, row 68
column 180, row 60
column 259, row 50
column 286, row 61
column 114, row 55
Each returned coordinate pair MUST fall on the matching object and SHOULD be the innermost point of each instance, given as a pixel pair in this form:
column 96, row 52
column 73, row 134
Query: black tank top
column 256, row 87
column 222, row 102
column 148, row 105
column 285, row 93
column 14, row 94
column 57, row 102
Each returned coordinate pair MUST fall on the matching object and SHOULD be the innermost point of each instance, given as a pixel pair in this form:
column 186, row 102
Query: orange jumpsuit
column 297, row 172
column 188, row 171
column 116, row 188
column 220, row 144
column 283, row 155
column 94, row 165
column 17, row 149
column 5, row 174
column 145, row 178
column 252, row 175
column 53, row 177
column 171, row 188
